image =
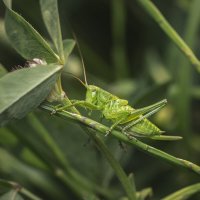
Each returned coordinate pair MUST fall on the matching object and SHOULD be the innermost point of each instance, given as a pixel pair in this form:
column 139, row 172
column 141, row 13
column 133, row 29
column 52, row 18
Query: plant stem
column 71, row 178
column 170, row 32
column 29, row 194
column 20, row 189
column 127, row 185
column 140, row 145
column 184, row 77
column 184, row 193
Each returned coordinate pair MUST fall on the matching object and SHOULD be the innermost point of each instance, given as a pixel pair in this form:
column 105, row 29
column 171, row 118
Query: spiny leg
column 113, row 126
column 83, row 104
column 140, row 119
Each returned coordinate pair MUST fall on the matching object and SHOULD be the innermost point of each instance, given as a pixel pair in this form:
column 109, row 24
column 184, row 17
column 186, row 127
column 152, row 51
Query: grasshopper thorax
column 97, row 96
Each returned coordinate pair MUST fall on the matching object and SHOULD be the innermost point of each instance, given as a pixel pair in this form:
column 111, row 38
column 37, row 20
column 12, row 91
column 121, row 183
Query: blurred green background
column 126, row 53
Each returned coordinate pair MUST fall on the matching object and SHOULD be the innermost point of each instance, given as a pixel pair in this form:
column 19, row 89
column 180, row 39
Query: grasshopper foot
column 108, row 132
column 53, row 112
column 128, row 135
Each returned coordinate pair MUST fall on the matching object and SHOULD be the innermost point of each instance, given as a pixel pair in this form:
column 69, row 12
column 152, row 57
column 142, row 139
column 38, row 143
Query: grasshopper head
column 97, row 96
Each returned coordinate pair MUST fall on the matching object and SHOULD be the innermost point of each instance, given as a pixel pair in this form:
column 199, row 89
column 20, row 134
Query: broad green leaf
column 3, row 71
column 49, row 10
column 11, row 195
column 184, row 193
column 68, row 46
column 24, row 89
column 26, row 40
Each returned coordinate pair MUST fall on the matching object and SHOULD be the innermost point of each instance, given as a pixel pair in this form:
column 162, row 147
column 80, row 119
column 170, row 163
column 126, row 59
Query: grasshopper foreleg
column 83, row 104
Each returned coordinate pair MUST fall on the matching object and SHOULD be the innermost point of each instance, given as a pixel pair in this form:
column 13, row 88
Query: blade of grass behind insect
column 184, row 77
column 20, row 189
column 74, row 176
column 20, row 97
column 26, row 40
column 11, row 166
column 118, row 24
column 184, row 193
column 129, row 186
column 154, row 12
column 121, row 137
column 42, row 152
column 49, row 10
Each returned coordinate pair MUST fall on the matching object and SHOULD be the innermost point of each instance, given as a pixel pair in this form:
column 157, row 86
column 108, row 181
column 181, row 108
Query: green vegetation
column 130, row 49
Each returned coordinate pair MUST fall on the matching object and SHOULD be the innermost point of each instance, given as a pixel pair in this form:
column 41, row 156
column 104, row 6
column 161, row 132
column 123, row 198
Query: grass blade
column 153, row 11
column 184, row 193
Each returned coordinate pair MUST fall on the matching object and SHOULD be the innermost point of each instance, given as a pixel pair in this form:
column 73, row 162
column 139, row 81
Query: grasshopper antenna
column 82, row 61
column 85, row 85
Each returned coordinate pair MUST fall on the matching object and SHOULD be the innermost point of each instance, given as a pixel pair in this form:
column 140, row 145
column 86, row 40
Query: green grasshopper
column 124, row 117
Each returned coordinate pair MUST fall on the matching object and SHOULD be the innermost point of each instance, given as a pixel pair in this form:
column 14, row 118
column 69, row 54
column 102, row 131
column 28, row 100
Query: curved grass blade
column 49, row 10
column 24, row 89
column 68, row 46
column 184, row 193
column 155, row 13
column 26, row 40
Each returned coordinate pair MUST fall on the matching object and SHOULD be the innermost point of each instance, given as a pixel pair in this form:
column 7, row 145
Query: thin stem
column 169, row 30
column 127, row 185
column 29, row 194
column 140, row 145
column 184, row 193
column 184, row 77
column 20, row 189
column 71, row 178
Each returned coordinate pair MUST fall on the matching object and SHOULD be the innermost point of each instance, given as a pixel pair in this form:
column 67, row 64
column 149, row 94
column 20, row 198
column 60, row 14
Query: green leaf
column 184, row 193
column 8, row 3
column 3, row 71
column 11, row 195
column 68, row 45
column 26, row 40
column 49, row 9
column 24, row 89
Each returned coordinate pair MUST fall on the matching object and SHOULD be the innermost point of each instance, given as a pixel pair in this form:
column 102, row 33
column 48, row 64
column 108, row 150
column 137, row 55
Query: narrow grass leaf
column 26, row 40
column 184, row 193
column 68, row 46
column 24, row 89
column 49, row 10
